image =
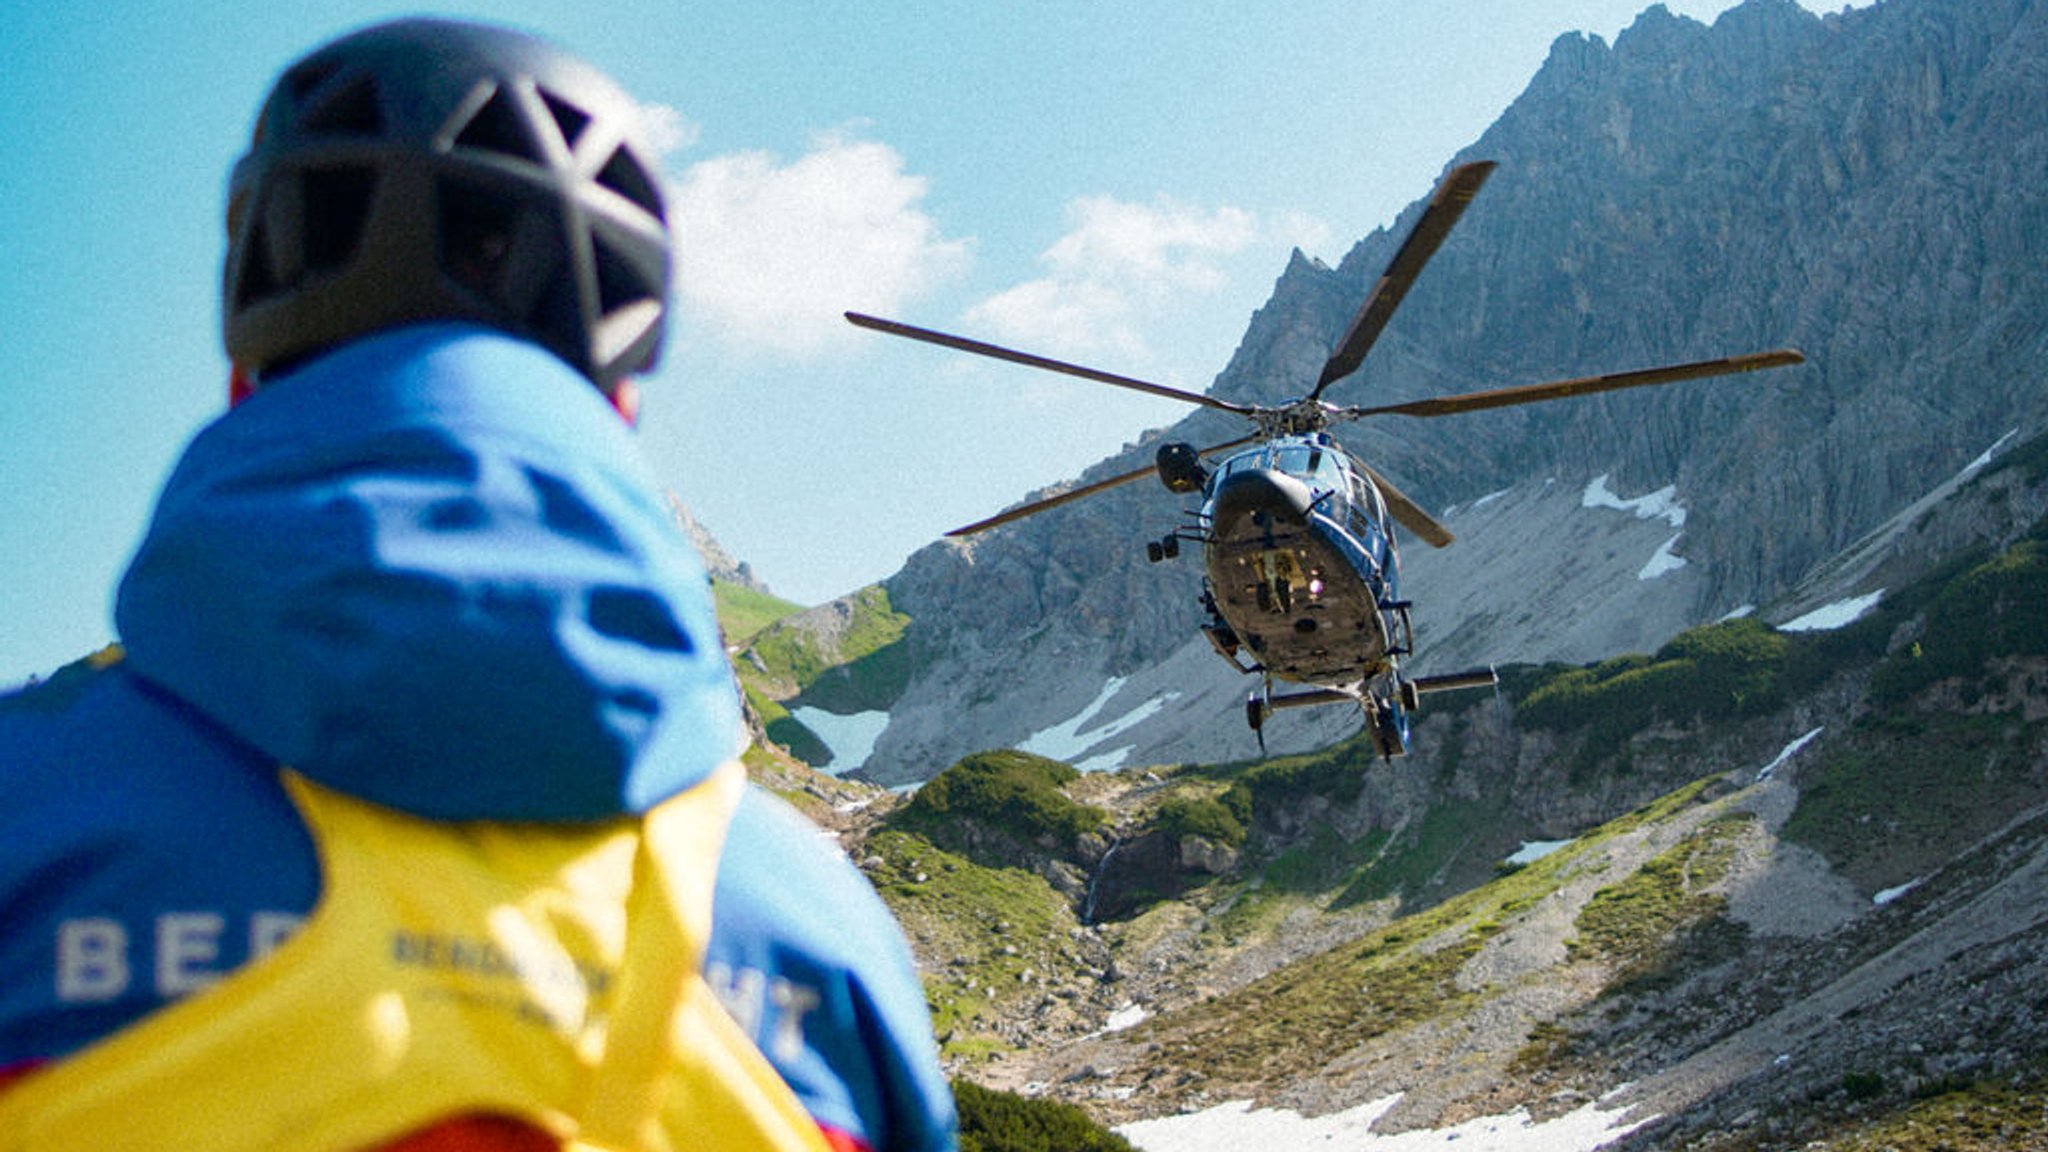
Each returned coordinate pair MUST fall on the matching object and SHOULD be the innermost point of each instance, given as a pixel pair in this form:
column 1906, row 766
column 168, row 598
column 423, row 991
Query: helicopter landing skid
column 1386, row 720
column 1263, row 704
column 1386, row 717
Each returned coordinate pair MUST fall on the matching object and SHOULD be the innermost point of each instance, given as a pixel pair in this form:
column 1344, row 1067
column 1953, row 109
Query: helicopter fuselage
column 1302, row 568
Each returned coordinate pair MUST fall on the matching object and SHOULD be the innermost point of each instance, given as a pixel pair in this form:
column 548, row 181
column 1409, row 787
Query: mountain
column 1747, row 851
column 1864, row 186
column 717, row 561
column 1753, row 888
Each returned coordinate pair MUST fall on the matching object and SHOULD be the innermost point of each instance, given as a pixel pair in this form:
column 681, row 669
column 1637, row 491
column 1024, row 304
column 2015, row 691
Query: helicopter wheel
column 1170, row 547
column 1154, row 551
column 1386, row 733
column 1254, row 712
column 1383, row 742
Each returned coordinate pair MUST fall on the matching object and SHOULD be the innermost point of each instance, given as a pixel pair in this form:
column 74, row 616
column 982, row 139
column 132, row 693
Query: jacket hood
column 429, row 569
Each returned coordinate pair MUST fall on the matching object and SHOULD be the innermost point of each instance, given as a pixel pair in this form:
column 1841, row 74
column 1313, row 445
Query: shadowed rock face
column 1863, row 186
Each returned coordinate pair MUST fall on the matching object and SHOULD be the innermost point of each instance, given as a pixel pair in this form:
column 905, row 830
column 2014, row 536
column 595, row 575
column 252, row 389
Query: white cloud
column 769, row 254
column 668, row 130
column 1118, row 265
column 1164, row 243
column 1071, row 317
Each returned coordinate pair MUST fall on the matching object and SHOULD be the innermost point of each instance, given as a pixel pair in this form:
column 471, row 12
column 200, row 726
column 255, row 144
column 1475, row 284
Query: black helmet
column 434, row 170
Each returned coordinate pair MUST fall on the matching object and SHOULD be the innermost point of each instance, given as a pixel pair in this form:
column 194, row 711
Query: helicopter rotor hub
column 1295, row 418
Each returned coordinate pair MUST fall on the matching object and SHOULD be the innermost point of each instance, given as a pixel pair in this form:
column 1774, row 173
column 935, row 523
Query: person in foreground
column 407, row 815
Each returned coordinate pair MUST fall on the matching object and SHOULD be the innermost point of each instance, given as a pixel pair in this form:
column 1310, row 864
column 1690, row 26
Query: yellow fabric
column 543, row 972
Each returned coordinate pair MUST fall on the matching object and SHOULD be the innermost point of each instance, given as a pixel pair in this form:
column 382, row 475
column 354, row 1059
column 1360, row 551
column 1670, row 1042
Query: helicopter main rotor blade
column 1050, row 502
column 1407, row 512
column 1580, row 386
column 1037, row 506
column 1452, row 196
column 1030, row 360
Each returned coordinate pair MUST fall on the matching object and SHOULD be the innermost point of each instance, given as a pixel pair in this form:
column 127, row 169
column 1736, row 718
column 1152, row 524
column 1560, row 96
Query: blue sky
column 1119, row 184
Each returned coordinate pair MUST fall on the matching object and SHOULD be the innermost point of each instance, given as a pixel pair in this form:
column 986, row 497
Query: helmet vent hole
column 624, row 175
column 569, row 119
column 617, row 286
column 301, row 81
column 352, row 111
column 497, row 127
column 255, row 281
column 476, row 234
column 337, row 207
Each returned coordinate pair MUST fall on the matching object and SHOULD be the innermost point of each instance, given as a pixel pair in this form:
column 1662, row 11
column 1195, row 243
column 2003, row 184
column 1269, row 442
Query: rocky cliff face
column 1865, row 186
column 1763, row 888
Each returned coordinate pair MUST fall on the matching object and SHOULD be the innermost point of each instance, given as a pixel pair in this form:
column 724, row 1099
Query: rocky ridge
column 1756, row 925
column 1863, row 186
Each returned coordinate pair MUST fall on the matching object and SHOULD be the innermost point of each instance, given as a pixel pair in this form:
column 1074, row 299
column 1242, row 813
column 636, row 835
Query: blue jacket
column 428, row 570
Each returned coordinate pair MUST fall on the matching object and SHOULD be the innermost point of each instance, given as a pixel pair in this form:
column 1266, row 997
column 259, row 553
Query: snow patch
column 1977, row 465
column 1664, row 561
column 1891, row 894
column 1840, row 614
column 1533, row 850
column 1236, row 1126
column 851, row 738
column 1128, row 1016
column 1070, row 738
column 1739, row 612
column 1476, row 505
column 1661, row 504
column 1105, row 762
column 1786, row 753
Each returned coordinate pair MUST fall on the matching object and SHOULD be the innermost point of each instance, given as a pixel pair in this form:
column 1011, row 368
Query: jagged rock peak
column 1573, row 57
column 1299, row 262
column 717, row 560
column 1761, row 18
column 1659, row 38
column 1657, row 32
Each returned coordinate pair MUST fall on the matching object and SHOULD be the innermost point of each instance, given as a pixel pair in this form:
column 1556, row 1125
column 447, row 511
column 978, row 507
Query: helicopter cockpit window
column 1368, row 515
column 1363, row 494
column 1323, row 470
column 1243, row 461
column 1292, row 460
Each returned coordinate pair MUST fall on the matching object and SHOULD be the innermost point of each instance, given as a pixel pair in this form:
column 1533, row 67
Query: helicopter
column 1302, row 567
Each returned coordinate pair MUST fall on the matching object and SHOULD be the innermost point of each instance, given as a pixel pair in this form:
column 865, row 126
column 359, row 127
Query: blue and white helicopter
column 1303, row 571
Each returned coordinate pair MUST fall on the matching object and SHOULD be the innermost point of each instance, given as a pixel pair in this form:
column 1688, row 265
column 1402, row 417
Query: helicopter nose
column 1264, row 496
